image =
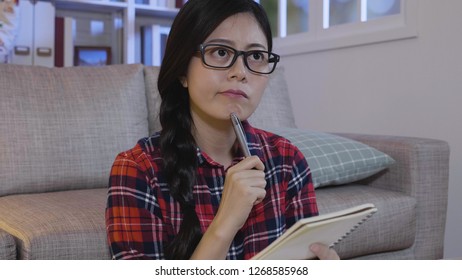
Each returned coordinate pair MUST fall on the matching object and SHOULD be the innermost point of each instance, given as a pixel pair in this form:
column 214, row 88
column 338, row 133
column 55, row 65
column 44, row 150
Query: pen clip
column 240, row 135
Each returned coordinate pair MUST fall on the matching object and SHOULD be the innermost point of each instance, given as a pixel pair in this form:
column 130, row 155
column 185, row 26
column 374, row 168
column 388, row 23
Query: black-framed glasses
column 222, row 57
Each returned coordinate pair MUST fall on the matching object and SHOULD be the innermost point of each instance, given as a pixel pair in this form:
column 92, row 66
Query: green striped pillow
column 335, row 160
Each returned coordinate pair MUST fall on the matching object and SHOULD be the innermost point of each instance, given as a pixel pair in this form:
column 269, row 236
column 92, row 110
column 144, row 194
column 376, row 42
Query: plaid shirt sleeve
column 129, row 224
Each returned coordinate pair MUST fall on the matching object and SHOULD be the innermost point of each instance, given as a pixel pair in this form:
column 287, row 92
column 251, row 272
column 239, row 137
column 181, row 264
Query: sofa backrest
column 275, row 109
column 152, row 97
column 61, row 128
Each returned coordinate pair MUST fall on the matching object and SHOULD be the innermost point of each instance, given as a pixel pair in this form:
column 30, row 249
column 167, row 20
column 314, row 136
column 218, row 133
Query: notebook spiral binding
column 352, row 229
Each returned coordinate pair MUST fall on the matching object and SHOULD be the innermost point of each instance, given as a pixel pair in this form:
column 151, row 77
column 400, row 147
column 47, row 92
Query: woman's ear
column 183, row 81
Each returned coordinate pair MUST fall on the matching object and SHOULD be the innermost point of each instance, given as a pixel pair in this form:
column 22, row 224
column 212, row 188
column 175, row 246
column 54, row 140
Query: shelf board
column 106, row 6
column 163, row 12
column 102, row 6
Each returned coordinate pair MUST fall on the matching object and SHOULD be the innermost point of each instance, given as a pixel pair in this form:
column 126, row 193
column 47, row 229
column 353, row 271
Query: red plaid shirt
column 142, row 217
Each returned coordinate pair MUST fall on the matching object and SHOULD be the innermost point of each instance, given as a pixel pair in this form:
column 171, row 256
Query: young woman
column 188, row 192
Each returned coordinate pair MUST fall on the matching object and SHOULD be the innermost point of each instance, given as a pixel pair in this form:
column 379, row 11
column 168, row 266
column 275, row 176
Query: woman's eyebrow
column 231, row 43
column 256, row 45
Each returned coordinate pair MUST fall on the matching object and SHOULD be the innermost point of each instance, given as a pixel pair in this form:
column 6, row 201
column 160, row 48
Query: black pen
column 240, row 134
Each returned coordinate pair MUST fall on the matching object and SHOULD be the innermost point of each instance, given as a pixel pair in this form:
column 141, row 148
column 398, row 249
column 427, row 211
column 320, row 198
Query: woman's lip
column 236, row 93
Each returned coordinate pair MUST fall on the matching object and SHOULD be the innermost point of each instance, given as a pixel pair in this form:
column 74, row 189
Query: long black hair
column 193, row 24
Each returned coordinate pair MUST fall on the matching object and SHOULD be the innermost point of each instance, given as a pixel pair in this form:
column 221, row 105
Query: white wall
column 409, row 87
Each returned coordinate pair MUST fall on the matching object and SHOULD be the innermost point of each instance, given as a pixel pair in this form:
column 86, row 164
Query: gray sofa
column 61, row 128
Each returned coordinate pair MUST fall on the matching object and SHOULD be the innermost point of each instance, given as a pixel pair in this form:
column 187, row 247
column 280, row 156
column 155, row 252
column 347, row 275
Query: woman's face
column 215, row 93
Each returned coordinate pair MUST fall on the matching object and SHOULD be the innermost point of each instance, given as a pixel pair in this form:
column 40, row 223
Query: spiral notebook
column 329, row 229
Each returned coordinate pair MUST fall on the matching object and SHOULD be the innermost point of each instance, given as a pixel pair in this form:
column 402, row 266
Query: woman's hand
column 244, row 187
column 323, row 252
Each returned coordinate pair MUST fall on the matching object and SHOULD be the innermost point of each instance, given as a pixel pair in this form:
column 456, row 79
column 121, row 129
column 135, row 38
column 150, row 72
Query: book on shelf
column 180, row 3
column 328, row 229
column 153, row 39
column 64, row 41
column 146, row 45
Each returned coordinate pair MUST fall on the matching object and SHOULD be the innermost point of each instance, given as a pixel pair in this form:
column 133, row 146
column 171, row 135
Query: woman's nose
column 238, row 69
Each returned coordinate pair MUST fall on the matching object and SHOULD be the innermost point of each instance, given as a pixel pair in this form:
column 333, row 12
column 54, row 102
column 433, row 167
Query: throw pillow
column 335, row 160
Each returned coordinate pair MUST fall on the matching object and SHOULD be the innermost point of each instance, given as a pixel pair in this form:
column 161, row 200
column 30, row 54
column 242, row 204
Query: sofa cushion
column 7, row 246
column 392, row 228
column 57, row 225
column 335, row 160
column 61, row 128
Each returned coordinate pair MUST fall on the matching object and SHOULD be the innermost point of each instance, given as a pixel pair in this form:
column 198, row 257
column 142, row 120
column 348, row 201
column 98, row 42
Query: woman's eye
column 221, row 52
column 257, row 56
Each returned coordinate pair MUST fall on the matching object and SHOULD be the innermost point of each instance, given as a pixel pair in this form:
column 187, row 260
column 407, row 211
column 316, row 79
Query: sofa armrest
column 421, row 171
column 7, row 246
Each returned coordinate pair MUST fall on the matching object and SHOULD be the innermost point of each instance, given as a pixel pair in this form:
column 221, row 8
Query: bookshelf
column 128, row 16
column 118, row 23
